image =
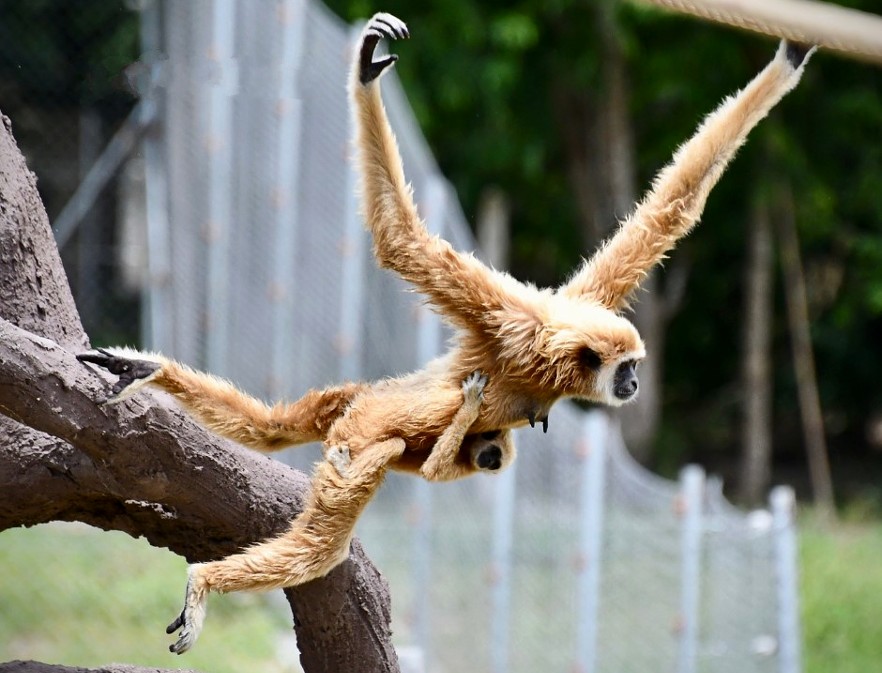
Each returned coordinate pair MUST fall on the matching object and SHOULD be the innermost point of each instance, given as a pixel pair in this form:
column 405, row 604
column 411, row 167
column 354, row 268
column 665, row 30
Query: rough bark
column 756, row 446
column 143, row 467
column 39, row 667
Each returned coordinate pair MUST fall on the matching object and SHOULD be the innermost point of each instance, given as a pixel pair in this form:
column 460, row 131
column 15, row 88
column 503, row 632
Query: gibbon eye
column 589, row 358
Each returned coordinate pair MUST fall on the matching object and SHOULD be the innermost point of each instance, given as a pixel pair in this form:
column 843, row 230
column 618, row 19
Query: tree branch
column 145, row 469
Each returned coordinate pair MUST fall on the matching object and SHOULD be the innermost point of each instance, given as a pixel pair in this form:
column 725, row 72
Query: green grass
column 70, row 594
column 73, row 595
column 841, row 586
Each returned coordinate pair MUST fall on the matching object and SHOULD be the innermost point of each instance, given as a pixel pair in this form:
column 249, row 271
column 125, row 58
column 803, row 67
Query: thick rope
column 848, row 31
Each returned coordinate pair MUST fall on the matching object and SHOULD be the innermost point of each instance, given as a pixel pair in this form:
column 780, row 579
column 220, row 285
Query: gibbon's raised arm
column 464, row 289
column 679, row 192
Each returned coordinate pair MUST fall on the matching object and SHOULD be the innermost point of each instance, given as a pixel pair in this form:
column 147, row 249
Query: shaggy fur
column 532, row 346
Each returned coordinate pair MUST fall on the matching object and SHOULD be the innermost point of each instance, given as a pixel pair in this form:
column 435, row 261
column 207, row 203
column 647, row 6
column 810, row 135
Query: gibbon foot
column 339, row 457
column 192, row 617
column 379, row 26
column 133, row 374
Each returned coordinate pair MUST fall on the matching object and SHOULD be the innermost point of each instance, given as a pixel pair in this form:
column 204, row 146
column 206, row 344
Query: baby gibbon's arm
column 463, row 288
column 441, row 464
column 679, row 192
column 221, row 407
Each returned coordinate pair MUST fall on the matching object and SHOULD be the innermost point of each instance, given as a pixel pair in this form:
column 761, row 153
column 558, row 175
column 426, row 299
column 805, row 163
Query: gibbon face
column 591, row 353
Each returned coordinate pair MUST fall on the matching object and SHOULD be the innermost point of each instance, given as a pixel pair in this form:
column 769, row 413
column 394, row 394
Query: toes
column 183, row 643
column 176, row 624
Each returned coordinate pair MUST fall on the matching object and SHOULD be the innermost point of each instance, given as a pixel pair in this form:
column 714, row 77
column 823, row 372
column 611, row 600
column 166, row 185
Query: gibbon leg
column 317, row 541
column 441, row 465
column 678, row 195
column 224, row 409
column 467, row 291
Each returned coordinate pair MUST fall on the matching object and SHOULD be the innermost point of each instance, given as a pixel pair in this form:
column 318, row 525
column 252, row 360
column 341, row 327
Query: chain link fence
column 238, row 212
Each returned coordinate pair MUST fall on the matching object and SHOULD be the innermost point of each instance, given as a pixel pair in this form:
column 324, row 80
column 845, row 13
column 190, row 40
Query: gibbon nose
column 625, row 390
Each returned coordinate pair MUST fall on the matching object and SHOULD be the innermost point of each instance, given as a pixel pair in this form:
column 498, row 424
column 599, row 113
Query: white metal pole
column 289, row 127
column 783, row 504
column 592, row 454
column 217, row 143
column 692, row 493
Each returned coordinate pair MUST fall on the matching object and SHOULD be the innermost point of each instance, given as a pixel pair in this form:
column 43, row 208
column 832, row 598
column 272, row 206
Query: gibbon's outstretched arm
column 221, row 407
column 464, row 289
column 679, row 192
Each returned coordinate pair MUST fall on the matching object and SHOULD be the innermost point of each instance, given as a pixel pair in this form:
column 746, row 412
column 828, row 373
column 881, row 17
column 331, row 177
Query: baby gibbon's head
column 590, row 352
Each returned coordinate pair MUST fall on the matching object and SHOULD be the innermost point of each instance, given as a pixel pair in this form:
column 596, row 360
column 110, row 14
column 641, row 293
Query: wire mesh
column 270, row 282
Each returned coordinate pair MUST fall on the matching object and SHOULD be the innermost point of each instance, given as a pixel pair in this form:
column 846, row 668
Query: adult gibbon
column 518, row 349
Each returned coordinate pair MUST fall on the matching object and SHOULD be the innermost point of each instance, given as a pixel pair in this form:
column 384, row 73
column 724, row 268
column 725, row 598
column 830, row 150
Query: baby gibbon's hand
column 473, row 389
column 379, row 26
column 130, row 372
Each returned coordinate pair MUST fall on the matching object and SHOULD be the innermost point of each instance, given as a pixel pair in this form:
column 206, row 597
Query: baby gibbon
column 518, row 349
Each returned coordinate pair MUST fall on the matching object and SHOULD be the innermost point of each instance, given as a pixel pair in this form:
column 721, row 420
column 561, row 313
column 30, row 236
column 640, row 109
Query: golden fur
column 534, row 346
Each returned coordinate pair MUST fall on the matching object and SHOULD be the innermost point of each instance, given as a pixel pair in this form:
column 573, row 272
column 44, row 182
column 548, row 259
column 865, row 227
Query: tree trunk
column 38, row 667
column 143, row 469
column 756, row 438
column 803, row 356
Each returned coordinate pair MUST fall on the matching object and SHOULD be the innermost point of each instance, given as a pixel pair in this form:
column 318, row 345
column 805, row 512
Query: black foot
column 380, row 26
column 129, row 371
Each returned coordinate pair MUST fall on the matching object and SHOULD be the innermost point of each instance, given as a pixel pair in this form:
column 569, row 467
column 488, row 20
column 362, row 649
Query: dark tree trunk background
column 599, row 145
column 803, row 355
column 145, row 469
column 757, row 374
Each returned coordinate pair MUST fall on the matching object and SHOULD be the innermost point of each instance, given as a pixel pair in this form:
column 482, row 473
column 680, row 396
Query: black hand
column 380, row 26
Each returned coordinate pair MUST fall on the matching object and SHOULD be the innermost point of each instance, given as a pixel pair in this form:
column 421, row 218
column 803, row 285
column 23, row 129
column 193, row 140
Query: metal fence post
column 352, row 272
column 289, row 114
column 692, row 494
column 217, row 143
column 783, row 504
column 429, row 339
column 592, row 454
column 503, row 533
column 156, row 333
